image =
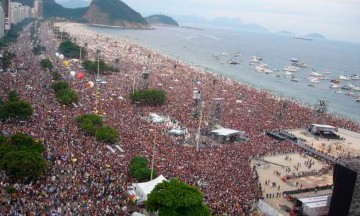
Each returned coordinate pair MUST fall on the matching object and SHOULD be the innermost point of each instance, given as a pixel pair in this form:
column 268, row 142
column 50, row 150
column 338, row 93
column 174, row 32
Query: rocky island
column 161, row 20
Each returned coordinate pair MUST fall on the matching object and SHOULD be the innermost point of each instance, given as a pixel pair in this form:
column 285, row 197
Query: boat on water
column 356, row 88
column 334, row 86
column 294, row 79
column 354, row 77
column 357, row 99
column 315, row 74
column 338, row 91
column 343, row 77
column 314, row 80
column 346, row 87
column 335, row 81
column 300, row 64
column 288, row 73
column 292, row 69
column 349, row 94
column 233, row 62
column 294, row 60
column 268, row 71
column 324, row 77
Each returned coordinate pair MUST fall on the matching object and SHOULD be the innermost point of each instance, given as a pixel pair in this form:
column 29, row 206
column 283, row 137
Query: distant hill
column 53, row 9
column 220, row 22
column 285, row 33
column 161, row 20
column 315, row 36
column 113, row 13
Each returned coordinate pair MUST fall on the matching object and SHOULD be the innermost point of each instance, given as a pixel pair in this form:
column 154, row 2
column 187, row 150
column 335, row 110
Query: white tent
column 156, row 118
column 316, row 127
column 225, row 132
column 143, row 189
column 176, row 132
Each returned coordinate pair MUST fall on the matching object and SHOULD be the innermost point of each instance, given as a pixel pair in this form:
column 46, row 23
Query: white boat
column 294, row 60
column 354, row 77
column 233, row 62
column 259, row 69
column 357, row 99
column 290, row 69
column 338, row 91
column 334, row 86
column 294, row 79
column 347, row 87
column 343, row 77
column 315, row 74
column 314, row 80
column 356, row 88
column 268, row 71
column 324, row 78
column 288, row 73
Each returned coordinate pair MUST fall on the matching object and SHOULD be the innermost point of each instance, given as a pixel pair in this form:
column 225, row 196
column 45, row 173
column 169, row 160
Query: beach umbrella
column 66, row 63
column 90, row 84
column 80, row 76
column 72, row 73
column 61, row 56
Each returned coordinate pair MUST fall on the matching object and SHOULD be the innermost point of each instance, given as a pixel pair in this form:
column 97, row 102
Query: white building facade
column 19, row 12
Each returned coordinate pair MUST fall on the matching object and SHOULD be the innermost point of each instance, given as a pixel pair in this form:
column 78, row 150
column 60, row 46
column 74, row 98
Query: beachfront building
column 5, row 4
column 2, row 22
column 38, row 9
column 19, row 12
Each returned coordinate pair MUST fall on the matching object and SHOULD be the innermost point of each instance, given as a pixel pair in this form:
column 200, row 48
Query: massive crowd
column 86, row 179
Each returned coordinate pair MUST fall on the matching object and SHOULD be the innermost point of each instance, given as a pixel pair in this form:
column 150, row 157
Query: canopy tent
column 224, row 135
column 176, row 132
column 141, row 190
column 315, row 127
column 225, row 132
column 325, row 131
column 155, row 118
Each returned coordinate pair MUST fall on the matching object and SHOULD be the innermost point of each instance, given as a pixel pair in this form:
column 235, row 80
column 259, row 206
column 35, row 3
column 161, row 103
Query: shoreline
column 118, row 27
column 204, row 70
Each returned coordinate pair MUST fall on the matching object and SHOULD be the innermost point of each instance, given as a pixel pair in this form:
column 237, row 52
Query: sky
column 336, row 19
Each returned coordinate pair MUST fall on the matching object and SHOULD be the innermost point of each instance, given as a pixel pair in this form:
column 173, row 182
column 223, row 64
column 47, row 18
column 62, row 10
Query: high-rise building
column 7, row 13
column 19, row 12
column 2, row 22
column 38, row 9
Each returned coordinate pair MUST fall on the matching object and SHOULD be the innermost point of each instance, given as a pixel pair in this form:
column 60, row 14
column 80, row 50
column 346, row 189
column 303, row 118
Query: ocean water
column 198, row 47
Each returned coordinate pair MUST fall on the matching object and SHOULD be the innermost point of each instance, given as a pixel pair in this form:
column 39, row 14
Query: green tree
column 72, row 50
column 90, row 123
column 139, row 169
column 7, row 60
column 26, row 143
column 19, row 110
column 107, row 134
column 67, row 96
column 56, row 76
column 13, row 96
column 175, row 198
column 46, row 63
column 150, row 97
column 19, row 165
column 92, row 67
column 21, row 158
column 60, row 85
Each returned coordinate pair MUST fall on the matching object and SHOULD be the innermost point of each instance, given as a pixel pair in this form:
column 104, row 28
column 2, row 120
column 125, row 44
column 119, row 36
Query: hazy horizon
column 336, row 19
